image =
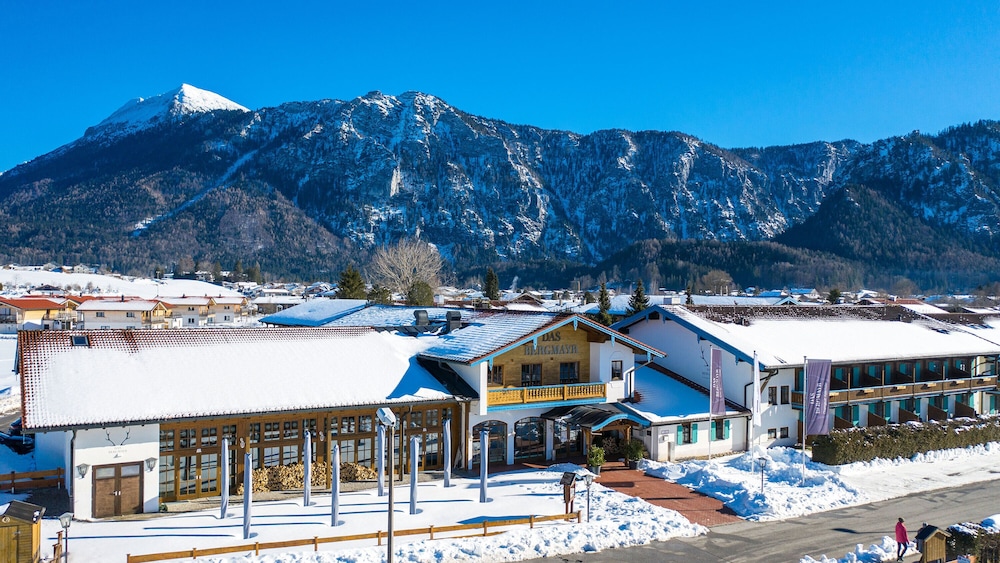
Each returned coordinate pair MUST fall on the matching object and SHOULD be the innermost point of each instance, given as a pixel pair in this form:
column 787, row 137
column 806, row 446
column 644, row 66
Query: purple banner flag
column 717, row 397
column 755, row 398
column 817, row 399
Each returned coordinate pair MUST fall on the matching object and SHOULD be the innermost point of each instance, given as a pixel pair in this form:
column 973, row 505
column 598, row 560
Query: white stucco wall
column 475, row 376
column 113, row 446
column 658, row 440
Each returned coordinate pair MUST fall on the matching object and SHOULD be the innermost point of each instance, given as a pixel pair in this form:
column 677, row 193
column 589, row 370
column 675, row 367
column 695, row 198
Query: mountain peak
column 141, row 113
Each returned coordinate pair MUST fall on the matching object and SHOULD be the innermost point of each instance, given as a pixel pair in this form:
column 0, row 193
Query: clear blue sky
column 734, row 74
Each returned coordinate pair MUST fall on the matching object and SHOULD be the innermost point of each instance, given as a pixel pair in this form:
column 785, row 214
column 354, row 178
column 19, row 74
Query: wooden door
column 130, row 489
column 117, row 490
column 105, row 491
column 8, row 544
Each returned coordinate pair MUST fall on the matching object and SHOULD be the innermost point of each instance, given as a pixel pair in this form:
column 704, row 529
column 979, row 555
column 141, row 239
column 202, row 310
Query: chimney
column 420, row 318
column 453, row 321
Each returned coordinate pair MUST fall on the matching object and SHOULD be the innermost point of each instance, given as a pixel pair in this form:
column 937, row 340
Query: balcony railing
column 546, row 394
column 884, row 392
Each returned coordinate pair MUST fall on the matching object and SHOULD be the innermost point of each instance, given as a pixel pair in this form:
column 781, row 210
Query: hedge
column 903, row 440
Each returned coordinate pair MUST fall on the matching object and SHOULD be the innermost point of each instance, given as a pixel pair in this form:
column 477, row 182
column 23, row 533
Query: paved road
column 833, row 533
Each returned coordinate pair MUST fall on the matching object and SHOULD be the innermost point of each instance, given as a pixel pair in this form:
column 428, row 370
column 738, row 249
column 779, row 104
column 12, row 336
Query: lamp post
column 589, row 480
column 65, row 519
column 387, row 419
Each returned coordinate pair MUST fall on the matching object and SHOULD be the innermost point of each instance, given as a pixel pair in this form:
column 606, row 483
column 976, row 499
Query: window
column 772, row 433
column 166, row 440
column 99, row 314
column 785, row 395
column 81, row 341
column 417, row 419
column 365, row 423
column 190, row 320
column 616, row 370
column 272, row 431
column 772, row 395
column 347, row 425
column 291, row 429
column 432, row 417
column 209, row 437
column 188, row 439
column 569, row 372
column 687, row 433
column 130, row 314
column 495, row 376
column 784, row 432
column 720, row 430
column 531, row 374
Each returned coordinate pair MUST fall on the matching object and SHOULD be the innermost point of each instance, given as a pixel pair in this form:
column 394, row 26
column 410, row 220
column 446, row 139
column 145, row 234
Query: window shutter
column 712, row 434
column 680, row 434
column 725, row 429
column 694, row 433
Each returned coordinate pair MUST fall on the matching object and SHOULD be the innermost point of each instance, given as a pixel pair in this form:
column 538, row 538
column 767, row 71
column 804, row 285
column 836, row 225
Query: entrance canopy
column 594, row 417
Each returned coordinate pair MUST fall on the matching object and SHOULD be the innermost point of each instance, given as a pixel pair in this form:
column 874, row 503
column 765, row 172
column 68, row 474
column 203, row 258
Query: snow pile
column 876, row 553
column 788, row 490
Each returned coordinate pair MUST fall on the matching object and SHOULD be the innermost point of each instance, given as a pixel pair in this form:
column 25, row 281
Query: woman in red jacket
column 902, row 540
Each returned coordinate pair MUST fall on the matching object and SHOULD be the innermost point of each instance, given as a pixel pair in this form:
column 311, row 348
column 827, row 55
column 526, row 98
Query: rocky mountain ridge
column 305, row 187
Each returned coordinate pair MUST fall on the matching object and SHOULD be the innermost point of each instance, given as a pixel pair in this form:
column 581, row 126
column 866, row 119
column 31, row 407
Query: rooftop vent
column 453, row 321
column 420, row 318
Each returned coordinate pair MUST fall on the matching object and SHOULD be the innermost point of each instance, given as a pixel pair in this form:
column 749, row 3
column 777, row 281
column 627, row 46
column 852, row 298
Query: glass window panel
column 167, row 475
column 347, row 425
column 188, row 438
column 131, row 470
column 272, row 456
column 432, row 418
column 347, row 451
column 365, row 423
column 254, row 432
column 333, row 426
column 291, row 429
column 209, row 473
column 166, row 440
column 289, row 455
column 416, row 419
column 272, row 431
column 365, row 451
column 209, row 436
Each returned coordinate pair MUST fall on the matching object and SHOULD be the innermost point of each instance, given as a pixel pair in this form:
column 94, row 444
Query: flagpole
column 711, row 368
column 805, row 412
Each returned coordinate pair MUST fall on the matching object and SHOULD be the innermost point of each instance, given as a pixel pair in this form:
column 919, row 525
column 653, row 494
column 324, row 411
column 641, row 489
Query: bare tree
column 399, row 266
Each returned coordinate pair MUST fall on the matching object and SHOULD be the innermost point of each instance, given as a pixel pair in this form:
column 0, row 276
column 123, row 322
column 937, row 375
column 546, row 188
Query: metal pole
column 588, row 501
column 484, row 462
column 307, row 470
column 392, row 444
column 805, row 412
column 247, row 493
column 335, row 488
column 66, row 544
column 414, row 458
column 224, row 504
column 380, row 458
column 447, row 452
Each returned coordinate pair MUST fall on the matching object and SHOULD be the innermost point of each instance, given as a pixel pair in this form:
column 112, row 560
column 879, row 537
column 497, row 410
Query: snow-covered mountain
column 306, row 186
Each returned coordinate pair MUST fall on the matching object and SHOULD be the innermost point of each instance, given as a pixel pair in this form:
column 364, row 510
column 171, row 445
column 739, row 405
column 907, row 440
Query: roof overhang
column 594, row 417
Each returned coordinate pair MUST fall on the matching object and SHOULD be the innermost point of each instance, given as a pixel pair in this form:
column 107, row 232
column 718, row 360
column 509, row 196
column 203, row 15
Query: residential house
column 35, row 313
column 121, row 313
column 189, row 312
column 889, row 364
column 228, row 310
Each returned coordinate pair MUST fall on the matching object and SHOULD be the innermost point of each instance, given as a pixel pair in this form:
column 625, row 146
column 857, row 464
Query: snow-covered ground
column 617, row 520
column 19, row 281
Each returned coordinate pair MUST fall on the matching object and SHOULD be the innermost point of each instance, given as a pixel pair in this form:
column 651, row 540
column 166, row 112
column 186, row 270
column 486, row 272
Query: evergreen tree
column 588, row 297
column 834, row 296
column 689, row 300
column 639, row 300
column 237, row 273
column 491, row 289
column 604, row 306
column 379, row 295
column 351, row 285
column 420, row 294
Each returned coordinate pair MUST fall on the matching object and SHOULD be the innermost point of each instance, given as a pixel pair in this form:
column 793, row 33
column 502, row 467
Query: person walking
column 902, row 540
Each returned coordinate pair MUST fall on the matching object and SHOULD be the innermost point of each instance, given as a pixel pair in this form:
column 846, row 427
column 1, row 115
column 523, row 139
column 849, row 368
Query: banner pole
column 805, row 412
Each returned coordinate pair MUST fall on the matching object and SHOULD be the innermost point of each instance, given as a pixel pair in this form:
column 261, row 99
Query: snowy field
column 19, row 282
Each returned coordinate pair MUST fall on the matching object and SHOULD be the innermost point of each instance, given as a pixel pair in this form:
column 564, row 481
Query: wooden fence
column 14, row 482
column 256, row 547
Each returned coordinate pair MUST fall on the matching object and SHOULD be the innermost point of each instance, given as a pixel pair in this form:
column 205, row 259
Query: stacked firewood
column 291, row 477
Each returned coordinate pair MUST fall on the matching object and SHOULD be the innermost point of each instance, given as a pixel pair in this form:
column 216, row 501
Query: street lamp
column 588, row 478
column 65, row 519
column 387, row 419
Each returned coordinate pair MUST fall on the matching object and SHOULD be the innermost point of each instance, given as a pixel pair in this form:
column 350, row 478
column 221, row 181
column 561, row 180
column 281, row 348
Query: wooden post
column 430, row 530
column 531, row 521
column 315, row 543
column 378, row 536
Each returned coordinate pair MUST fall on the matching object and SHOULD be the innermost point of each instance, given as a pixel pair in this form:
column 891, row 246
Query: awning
column 594, row 417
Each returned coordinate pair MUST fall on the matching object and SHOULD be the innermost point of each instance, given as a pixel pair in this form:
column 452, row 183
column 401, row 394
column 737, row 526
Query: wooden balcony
column 546, row 394
column 905, row 390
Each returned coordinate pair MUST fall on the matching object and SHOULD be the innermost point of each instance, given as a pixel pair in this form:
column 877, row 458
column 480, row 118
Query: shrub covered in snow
column 903, row 440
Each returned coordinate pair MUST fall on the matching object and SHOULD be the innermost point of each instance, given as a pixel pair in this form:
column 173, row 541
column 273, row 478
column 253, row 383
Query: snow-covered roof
column 665, row 399
column 190, row 301
column 117, row 377
column 315, row 312
column 381, row 316
column 838, row 334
